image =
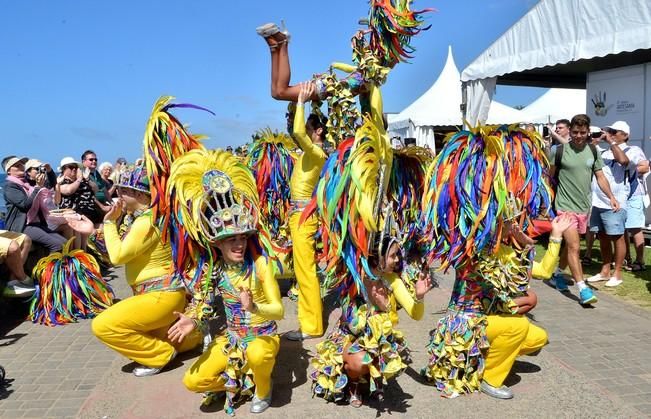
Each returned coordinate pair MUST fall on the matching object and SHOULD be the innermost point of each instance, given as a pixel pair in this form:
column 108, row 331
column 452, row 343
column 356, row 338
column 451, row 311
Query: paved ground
column 596, row 365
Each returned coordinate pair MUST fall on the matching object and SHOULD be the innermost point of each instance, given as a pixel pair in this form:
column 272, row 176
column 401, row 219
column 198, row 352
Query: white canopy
column 555, row 104
column 439, row 106
column 557, row 32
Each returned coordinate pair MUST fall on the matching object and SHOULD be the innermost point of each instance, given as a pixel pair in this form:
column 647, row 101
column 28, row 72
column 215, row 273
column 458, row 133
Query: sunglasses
column 92, row 159
column 71, row 167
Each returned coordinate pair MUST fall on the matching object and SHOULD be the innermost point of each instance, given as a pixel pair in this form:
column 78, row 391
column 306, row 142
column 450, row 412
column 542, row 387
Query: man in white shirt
column 610, row 223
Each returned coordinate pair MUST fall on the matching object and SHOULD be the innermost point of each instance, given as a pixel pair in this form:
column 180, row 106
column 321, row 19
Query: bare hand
column 86, row 173
column 181, row 328
column 40, row 179
column 80, row 223
column 80, row 174
column 560, row 224
column 614, row 204
column 115, row 212
column 423, row 285
column 378, row 294
column 246, row 299
column 306, row 92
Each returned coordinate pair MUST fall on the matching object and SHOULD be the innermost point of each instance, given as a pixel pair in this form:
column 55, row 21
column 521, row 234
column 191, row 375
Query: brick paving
column 596, row 365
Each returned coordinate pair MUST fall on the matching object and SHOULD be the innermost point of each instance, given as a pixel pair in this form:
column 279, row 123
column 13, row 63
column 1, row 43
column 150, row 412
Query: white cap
column 620, row 126
column 68, row 161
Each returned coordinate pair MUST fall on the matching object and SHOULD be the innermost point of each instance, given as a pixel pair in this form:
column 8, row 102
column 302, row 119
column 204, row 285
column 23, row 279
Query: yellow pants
column 310, row 308
column 204, row 374
column 137, row 327
column 509, row 337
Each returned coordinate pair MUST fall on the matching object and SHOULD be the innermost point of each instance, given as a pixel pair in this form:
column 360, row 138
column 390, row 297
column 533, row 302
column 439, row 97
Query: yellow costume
column 216, row 199
column 363, row 327
column 137, row 326
column 304, row 178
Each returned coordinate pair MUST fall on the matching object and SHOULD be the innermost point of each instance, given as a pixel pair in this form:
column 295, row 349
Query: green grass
column 636, row 287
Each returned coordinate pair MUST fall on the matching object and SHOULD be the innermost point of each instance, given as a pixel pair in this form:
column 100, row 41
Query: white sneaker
column 597, row 278
column 613, row 282
column 16, row 288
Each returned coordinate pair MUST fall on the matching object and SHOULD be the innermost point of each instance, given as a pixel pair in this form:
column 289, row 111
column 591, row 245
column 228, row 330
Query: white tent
column 439, row 106
column 555, row 104
column 553, row 33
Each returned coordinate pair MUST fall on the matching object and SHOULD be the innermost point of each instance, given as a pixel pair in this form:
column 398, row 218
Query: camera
column 596, row 134
column 42, row 169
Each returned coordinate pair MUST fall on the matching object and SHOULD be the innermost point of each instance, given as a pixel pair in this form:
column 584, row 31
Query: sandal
column 636, row 267
column 267, row 30
column 355, row 399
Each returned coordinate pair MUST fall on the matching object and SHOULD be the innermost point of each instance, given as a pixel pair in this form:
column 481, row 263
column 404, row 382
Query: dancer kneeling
column 137, row 326
column 224, row 221
column 365, row 346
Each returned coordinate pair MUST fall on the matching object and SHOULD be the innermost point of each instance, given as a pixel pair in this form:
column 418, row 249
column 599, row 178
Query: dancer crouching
column 223, row 219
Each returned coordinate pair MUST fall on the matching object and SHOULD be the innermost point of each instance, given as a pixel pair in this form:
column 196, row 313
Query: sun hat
column 67, row 161
column 33, row 164
column 10, row 161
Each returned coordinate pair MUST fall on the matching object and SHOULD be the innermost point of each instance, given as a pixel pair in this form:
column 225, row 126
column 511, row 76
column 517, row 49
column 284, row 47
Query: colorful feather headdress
column 392, row 23
column 479, row 179
column 213, row 196
column 165, row 140
column 272, row 162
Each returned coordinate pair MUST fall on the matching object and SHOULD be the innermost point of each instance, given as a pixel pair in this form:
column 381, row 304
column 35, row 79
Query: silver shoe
column 267, row 30
column 499, row 393
column 260, row 405
column 143, row 371
column 297, row 335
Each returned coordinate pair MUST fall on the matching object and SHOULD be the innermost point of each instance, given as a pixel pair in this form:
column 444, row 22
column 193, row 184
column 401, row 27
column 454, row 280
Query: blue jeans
column 608, row 221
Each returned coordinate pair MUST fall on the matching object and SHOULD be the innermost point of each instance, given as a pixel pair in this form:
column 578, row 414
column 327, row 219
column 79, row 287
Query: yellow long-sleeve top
column 141, row 250
column 540, row 270
column 401, row 295
column 309, row 164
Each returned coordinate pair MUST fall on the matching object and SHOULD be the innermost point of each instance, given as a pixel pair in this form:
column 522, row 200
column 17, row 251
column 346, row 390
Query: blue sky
column 85, row 74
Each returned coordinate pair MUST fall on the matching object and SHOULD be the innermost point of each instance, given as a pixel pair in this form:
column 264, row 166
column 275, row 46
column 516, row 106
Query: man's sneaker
column 597, row 278
column 16, row 288
column 586, row 296
column 613, row 282
column 558, row 280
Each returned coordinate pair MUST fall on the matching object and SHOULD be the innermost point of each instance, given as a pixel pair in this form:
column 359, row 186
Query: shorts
column 635, row 217
column 608, row 221
column 6, row 237
column 579, row 221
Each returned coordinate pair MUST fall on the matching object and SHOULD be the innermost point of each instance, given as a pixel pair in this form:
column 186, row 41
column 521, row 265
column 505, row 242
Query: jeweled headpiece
column 227, row 212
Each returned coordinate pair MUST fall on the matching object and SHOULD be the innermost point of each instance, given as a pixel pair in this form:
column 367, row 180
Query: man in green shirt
column 577, row 164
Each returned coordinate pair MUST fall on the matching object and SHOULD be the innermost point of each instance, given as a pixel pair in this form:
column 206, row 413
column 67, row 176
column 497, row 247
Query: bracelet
column 556, row 240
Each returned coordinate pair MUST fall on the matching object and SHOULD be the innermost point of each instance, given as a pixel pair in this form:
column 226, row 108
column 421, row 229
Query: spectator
column 609, row 222
column 14, row 249
column 574, row 164
column 229, row 149
column 561, row 132
column 635, row 217
column 78, row 191
column 47, row 199
column 106, row 172
column 595, row 138
column 19, row 197
column 120, row 167
column 97, row 184
column 33, row 167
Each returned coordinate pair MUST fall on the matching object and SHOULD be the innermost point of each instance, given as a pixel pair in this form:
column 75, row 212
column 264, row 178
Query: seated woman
column 224, row 219
column 137, row 327
column 14, row 249
column 19, row 198
column 365, row 347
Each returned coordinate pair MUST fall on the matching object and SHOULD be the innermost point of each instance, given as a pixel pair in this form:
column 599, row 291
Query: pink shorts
column 579, row 221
